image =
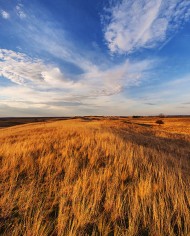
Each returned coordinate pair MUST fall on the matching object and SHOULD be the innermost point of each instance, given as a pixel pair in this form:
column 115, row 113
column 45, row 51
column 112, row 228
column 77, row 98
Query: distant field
column 8, row 122
column 173, row 125
column 95, row 176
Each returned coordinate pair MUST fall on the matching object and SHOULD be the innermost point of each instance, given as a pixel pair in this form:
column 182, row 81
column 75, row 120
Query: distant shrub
column 137, row 116
column 160, row 122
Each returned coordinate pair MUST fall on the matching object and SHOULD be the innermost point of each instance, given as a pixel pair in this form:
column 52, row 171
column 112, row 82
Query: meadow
column 95, row 176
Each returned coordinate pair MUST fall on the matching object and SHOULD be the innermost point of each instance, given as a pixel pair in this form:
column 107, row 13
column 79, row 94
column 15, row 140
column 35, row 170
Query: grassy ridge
column 93, row 178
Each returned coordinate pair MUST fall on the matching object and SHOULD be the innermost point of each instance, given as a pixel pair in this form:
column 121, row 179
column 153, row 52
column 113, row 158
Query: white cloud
column 43, row 89
column 24, row 70
column 37, row 84
column 114, row 80
column 20, row 12
column 134, row 24
column 5, row 14
column 49, row 86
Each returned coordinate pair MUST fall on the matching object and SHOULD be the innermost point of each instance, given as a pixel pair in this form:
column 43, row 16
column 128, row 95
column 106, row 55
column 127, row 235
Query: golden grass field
column 96, row 176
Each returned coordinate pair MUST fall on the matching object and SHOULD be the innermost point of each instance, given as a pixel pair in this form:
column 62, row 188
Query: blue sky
column 103, row 57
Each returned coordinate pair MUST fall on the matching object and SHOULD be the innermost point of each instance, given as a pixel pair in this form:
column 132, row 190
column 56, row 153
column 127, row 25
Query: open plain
column 95, row 176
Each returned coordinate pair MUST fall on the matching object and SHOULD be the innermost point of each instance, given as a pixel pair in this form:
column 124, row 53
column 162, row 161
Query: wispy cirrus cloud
column 168, row 92
column 134, row 24
column 40, row 88
column 46, row 35
column 114, row 80
column 44, row 86
column 4, row 14
column 31, row 72
column 98, row 77
column 24, row 70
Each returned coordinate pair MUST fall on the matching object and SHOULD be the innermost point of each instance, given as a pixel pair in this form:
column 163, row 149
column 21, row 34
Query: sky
column 103, row 57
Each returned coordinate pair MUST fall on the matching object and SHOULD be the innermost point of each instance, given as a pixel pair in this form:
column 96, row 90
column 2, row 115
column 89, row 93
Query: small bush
column 160, row 122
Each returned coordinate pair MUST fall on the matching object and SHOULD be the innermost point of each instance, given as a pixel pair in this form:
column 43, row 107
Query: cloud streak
column 134, row 24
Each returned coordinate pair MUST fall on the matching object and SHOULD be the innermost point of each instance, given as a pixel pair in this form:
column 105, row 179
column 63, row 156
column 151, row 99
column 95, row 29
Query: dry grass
column 106, row 177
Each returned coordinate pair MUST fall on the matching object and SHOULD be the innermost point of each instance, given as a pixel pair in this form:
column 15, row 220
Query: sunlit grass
column 93, row 178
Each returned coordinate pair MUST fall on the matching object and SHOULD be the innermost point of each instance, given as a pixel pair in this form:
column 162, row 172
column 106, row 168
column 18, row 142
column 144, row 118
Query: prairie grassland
column 104, row 177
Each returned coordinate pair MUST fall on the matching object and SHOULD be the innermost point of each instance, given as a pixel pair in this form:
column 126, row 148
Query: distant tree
column 161, row 115
column 160, row 122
